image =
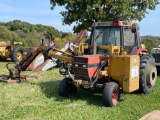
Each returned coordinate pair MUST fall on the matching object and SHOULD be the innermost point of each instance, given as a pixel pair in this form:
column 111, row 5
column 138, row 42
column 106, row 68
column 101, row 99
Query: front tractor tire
column 17, row 53
column 148, row 74
column 66, row 89
column 111, row 94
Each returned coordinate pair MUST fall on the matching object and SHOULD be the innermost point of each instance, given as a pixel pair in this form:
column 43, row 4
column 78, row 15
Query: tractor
column 112, row 61
column 13, row 50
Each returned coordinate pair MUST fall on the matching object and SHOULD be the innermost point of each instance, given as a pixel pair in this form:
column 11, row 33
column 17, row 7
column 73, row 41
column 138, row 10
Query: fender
column 138, row 51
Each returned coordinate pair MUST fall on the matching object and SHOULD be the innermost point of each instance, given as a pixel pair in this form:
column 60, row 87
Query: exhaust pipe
column 94, row 39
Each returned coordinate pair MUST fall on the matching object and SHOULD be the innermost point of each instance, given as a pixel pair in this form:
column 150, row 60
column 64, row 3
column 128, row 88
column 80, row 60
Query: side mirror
column 133, row 30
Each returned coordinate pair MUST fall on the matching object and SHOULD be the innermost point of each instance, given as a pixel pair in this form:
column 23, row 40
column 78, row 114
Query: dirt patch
column 154, row 115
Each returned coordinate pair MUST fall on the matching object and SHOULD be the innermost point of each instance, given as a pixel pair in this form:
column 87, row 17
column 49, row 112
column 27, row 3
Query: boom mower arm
column 26, row 61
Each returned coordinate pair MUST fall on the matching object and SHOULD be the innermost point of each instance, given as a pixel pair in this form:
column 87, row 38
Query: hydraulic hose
column 94, row 80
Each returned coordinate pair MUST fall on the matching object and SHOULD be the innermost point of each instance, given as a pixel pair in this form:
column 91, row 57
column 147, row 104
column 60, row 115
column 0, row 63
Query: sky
column 39, row 12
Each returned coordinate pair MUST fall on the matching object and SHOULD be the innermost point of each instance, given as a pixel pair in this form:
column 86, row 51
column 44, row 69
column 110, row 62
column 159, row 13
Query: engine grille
column 156, row 56
column 80, row 60
column 83, row 72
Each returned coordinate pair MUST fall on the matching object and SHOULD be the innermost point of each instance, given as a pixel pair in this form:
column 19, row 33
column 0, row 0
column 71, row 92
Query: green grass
column 38, row 99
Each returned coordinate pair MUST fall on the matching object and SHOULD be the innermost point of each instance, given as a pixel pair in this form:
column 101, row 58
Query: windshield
column 129, row 40
column 107, row 36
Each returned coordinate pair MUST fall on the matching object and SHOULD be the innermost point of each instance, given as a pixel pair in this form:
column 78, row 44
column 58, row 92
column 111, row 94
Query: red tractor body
column 87, row 66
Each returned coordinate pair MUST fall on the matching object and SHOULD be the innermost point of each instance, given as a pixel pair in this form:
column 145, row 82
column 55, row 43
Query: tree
column 84, row 11
column 5, row 34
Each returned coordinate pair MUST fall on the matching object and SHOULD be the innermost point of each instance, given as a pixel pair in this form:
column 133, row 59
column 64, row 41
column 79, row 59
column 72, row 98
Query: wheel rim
column 19, row 55
column 115, row 96
column 151, row 76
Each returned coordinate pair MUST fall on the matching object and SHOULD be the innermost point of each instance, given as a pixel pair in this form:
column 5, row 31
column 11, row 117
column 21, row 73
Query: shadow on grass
column 50, row 89
column 3, row 61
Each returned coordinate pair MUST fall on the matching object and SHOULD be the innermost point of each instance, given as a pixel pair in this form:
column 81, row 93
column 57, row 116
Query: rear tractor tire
column 148, row 74
column 111, row 94
column 67, row 89
column 17, row 53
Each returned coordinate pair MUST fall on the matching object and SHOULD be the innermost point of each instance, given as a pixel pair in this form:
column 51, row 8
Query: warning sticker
column 134, row 72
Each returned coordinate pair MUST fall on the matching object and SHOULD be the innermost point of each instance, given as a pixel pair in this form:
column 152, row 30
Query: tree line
column 30, row 34
column 150, row 41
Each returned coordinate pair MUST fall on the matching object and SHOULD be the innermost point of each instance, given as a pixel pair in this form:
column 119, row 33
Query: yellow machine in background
column 13, row 50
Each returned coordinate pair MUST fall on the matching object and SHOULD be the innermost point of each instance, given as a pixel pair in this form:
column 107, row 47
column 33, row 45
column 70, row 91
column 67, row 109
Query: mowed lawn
column 38, row 99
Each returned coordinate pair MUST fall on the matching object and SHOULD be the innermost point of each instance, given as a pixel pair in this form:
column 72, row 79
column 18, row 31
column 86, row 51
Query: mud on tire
column 148, row 74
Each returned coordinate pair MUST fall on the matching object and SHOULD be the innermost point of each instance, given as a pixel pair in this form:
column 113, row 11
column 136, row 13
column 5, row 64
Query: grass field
column 38, row 99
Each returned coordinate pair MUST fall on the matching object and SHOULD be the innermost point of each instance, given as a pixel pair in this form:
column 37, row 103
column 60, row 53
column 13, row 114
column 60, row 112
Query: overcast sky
column 38, row 12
